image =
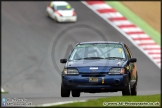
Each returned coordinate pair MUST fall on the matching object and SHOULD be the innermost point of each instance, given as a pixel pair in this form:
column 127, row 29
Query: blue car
column 95, row 67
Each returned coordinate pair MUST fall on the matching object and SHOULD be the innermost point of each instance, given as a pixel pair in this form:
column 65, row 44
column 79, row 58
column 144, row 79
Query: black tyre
column 127, row 90
column 55, row 19
column 75, row 93
column 134, row 89
column 65, row 92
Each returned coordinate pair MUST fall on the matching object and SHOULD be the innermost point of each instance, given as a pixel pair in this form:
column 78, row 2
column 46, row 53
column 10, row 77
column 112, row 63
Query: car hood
column 85, row 65
column 66, row 12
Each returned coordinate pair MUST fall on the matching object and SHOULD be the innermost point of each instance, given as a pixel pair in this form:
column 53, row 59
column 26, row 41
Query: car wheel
column 64, row 92
column 134, row 89
column 127, row 90
column 55, row 19
column 75, row 93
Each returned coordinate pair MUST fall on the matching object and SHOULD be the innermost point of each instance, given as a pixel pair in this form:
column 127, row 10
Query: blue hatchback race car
column 95, row 67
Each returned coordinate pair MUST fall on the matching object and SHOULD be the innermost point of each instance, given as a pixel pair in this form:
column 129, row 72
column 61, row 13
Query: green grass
column 155, row 35
column 4, row 92
column 99, row 102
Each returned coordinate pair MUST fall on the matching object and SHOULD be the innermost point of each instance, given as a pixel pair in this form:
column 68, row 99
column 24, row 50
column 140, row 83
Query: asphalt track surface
column 27, row 41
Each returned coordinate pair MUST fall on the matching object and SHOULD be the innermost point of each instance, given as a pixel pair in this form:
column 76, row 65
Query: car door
column 132, row 66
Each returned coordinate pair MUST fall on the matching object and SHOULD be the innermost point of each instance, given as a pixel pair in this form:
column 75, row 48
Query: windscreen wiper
column 93, row 58
column 79, row 59
column 114, row 58
column 89, row 58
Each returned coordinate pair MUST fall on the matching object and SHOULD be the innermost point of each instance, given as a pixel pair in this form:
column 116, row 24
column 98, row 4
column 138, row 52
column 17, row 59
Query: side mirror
column 63, row 60
column 132, row 60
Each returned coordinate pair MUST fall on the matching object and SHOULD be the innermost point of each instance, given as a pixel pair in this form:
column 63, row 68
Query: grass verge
column 155, row 35
column 4, row 92
column 99, row 102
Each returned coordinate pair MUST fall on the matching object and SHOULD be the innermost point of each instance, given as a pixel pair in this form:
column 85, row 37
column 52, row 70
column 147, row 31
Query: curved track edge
column 133, row 33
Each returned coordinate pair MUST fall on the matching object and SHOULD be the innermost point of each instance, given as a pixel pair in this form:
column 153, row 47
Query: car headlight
column 117, row 71
column 70, row 71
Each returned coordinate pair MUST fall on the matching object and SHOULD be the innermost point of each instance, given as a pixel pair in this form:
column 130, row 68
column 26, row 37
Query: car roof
column 91, row 42
column 60, row 3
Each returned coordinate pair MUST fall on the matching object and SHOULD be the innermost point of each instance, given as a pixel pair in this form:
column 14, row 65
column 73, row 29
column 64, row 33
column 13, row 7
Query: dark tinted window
column 63, row 7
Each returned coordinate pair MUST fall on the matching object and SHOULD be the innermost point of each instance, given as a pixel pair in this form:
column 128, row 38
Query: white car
column 61, row 11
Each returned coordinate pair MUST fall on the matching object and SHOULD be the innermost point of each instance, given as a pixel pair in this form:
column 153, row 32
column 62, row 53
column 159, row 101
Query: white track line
column 131, row 29
column 101, row 6
column 59, row 103
column 112, row 15
column 2, row 90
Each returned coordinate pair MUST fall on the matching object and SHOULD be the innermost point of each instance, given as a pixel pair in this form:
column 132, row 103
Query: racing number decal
column 120, row 50
column 127, row 67
column 51, row 4
column 68, row 6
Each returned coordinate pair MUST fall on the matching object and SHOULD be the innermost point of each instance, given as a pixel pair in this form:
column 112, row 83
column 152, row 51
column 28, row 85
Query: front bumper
column 111, row 83
column 67, row 19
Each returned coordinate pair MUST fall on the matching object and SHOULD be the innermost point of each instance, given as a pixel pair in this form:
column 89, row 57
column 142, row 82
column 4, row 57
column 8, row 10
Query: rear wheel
column 75, row 93
column 127, row 90
column 64, row 92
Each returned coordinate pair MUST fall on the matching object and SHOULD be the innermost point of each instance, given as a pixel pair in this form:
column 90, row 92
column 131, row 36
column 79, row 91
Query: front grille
column 94, row 74
column 91, row 84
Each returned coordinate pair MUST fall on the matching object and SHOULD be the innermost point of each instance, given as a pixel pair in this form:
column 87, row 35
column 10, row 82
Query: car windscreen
column 101, row 51
column 63, row 7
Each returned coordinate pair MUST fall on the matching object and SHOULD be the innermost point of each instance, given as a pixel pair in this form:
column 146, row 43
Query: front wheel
column 134, row 89
column 75, row 93
column 55, row 19
column 127, row 90
column 64, row 92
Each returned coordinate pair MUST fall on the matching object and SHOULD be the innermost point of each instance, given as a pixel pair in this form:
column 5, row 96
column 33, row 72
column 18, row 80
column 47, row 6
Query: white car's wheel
column 55, row 19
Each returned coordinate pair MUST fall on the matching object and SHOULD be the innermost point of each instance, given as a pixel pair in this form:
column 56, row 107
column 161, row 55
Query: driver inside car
column 91, row 52
column 87, row 52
